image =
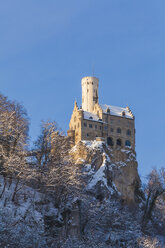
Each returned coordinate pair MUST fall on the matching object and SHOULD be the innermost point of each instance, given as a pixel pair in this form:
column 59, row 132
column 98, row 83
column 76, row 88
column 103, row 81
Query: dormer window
column 123, row 113
column 91, row 118
column 108, row 110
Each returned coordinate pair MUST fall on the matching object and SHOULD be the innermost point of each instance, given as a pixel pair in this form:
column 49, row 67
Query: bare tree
column 43, row 143
column 13, row 140
column 57, row 173
column 154, row 189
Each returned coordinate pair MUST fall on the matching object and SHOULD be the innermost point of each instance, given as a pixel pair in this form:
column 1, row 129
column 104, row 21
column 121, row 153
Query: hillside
column 105, row 208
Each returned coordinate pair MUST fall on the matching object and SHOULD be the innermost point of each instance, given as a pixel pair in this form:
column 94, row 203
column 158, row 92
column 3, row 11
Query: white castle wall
column 89, row 92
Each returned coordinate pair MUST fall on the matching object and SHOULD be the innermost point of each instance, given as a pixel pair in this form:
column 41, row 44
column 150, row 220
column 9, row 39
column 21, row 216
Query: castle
column 115, row 125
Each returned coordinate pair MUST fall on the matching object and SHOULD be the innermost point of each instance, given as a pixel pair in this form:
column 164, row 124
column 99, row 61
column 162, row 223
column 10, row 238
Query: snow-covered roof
column 91, row 116
column 118, row 111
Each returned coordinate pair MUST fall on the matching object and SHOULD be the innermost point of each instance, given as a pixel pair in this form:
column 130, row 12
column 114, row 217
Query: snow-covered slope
column 95, row 216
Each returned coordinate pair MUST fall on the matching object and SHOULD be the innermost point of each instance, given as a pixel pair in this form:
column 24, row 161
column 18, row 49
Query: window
column 75, row 127
column 110, row 141
column 127, row 143
column 91, row 117
column 108, row 110
column 95, row 126
column 118, row 142
column 90, row 126
column 75, row 119
column 100, row 128
column 78, row 125
column 129, row 132
column 85, row 125
column 123, row 113
column 118, row 130
column 87, row 135
column 112, row 121
column 105, row 127
column 111, row 130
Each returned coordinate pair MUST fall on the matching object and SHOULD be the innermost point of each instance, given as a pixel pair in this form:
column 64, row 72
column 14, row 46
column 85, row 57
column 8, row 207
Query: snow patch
column 94, row 144
column 100, row 175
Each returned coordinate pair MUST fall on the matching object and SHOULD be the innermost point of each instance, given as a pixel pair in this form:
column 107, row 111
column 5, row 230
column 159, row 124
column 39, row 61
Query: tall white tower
column 89, row 92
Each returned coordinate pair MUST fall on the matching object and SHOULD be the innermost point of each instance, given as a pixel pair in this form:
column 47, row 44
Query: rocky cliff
column 104, row 173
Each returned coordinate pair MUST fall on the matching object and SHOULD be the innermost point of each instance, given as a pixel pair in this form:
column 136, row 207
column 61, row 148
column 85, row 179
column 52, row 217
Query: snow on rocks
column 100, row 176
column 104, row 172
column 98, row 145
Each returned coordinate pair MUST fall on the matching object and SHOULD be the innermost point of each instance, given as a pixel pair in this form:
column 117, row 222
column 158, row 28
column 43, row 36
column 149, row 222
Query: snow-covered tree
column 13, row 140
column 55, row 171
column 154, row 189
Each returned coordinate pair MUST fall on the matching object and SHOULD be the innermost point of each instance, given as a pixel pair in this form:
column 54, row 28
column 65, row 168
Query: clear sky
column 46, row 47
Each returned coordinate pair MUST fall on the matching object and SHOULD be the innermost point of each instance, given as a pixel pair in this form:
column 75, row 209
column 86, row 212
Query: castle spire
column 75, row 104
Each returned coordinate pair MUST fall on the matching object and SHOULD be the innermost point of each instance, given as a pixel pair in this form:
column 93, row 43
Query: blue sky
column 46, row 47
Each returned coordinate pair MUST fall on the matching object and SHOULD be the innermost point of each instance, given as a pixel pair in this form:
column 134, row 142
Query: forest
column 45, row 200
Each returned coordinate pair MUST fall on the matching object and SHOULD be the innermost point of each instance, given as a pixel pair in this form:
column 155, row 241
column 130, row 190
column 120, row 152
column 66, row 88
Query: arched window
column 129, row 132
column 110, row 141
column 118, row 130
column 127, row 143
column 118, row 142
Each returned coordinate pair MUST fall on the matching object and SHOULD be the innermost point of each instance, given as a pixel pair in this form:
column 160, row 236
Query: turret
column 89, row 93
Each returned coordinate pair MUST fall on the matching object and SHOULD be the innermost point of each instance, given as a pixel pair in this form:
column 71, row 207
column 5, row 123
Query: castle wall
column 124, row 124
column 75, row 123
column 91, row 129
column 98, row 110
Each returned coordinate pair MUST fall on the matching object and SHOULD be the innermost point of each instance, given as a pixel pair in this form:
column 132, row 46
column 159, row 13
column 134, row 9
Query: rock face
column 104, row 173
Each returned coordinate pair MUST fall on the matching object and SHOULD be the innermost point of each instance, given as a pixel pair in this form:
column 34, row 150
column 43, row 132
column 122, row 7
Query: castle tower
column 89, row 93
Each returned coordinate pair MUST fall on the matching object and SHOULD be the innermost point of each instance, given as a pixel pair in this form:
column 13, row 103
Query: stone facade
column 115, row 124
